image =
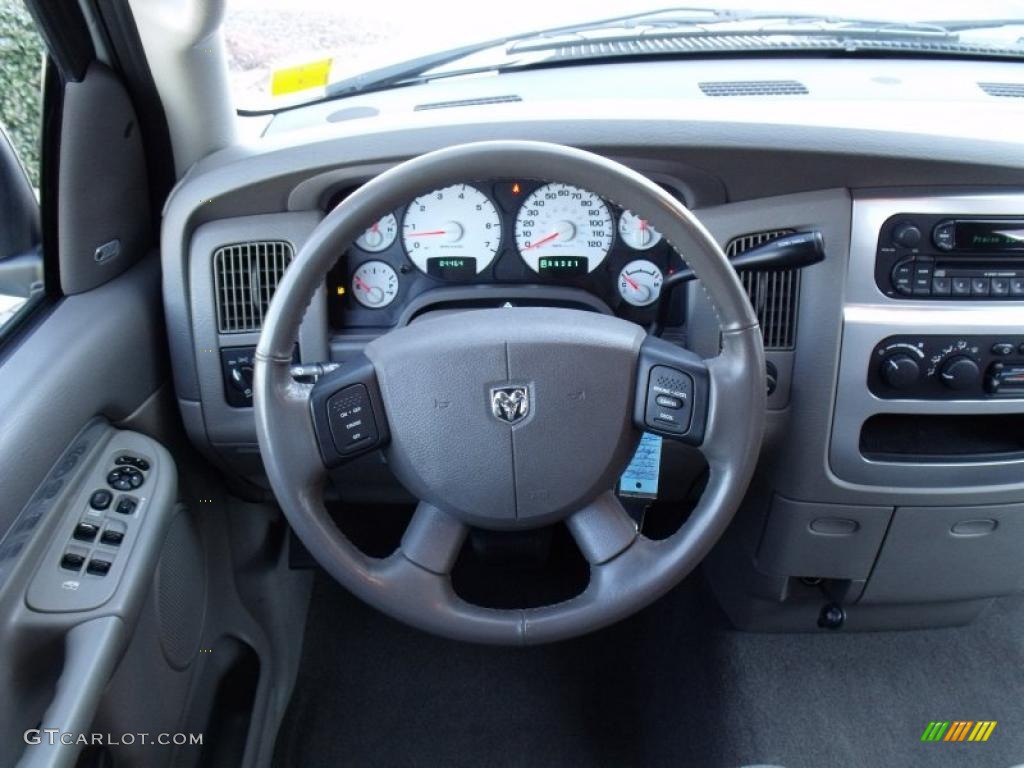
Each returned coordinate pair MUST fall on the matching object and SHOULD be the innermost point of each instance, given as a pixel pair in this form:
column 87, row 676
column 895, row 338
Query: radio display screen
column 990, row 236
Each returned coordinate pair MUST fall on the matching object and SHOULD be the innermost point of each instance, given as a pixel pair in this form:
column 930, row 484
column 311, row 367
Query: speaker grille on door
column 772, row 294
column 246, row 276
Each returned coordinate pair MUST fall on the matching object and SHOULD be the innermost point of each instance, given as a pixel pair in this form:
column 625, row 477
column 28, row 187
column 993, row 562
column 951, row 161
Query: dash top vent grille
column 1006, row 90
column 511, row 98
column 754, row 88
column 246, row 276
column 772, row 294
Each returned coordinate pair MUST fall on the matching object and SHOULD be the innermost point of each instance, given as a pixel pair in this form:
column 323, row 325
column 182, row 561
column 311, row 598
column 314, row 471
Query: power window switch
column 126, row 505
column 72, row 561
column 98, row 567
column 100, row 499
column 86, row 531
column 112, row 537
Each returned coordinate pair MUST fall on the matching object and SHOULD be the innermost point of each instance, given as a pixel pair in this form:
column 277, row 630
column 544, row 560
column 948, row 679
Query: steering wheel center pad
column 510, row 418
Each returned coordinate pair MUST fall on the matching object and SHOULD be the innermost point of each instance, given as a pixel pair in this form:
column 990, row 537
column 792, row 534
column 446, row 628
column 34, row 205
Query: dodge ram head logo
column 510, row 404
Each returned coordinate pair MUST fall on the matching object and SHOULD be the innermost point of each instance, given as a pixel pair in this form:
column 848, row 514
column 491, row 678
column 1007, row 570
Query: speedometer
column 452, row 231
column 561, row 229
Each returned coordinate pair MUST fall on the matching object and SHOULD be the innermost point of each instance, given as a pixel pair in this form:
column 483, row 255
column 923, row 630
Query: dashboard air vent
column 772, row 294
column 754, row 88
column 246, row 276
column 468, row 102
column 1006, row 90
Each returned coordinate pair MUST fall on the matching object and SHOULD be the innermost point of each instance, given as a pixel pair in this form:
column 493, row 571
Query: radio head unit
column 928, row 256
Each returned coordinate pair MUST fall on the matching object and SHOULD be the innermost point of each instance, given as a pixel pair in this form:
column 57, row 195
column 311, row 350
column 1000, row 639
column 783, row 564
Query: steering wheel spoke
column 603, row 529
column 433, row 539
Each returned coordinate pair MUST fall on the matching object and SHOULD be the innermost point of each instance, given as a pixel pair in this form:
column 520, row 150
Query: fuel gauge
column 640, row 283
column 375, row 284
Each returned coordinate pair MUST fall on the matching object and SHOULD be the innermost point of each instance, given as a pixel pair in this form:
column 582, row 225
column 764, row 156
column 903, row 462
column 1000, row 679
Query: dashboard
column 504, row 232
column 892, row 460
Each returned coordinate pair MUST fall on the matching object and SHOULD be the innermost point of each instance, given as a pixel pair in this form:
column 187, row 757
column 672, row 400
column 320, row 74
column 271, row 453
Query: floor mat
column 669, row 687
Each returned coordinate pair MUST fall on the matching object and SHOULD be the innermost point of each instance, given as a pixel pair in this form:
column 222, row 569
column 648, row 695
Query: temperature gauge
column 640, row 283
column 380, row 236
column 637, row 233
column 375, row 284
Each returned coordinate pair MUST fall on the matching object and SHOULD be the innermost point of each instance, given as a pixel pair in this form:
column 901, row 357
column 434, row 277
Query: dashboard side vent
column 772, row 294
column 1005, row 90
column 468, row 102
column 753, row 88
column 245, row 277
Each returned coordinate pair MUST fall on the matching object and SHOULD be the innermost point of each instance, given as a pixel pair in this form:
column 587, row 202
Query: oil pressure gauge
column 640, row 283
column 375, row 284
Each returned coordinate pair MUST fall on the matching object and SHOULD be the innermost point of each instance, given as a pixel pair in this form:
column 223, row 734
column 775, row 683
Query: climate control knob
column 960, row 372
column 900, row 371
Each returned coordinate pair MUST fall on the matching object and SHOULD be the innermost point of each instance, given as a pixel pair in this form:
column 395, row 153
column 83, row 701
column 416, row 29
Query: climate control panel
column 970, row 367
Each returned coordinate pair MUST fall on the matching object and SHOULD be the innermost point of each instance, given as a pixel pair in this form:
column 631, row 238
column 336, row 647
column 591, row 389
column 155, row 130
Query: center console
column 930, row 384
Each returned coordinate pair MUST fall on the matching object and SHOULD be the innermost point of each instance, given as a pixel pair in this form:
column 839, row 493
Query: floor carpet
column 671, row 686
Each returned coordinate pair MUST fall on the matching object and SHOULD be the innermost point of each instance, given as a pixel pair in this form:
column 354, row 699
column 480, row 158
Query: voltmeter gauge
column 375, row 284
column 380, row 236
column 637, row 233
column 640, row 283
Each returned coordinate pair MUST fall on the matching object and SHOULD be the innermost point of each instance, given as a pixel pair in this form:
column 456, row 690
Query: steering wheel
column 511, row 418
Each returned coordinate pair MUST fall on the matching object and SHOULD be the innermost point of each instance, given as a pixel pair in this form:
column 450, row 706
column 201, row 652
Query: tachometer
column 455, row 224
column 561, row 229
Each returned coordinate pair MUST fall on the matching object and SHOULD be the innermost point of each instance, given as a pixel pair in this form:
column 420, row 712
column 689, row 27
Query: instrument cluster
column 504, row 232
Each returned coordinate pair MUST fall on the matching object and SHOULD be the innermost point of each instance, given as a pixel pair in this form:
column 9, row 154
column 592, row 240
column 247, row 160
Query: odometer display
column 562, row 266
column 560, row 221
column 449, row 268
column 457, row 222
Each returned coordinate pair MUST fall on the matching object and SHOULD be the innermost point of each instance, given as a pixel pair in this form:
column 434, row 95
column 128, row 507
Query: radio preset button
column 941, row 286
column 961, row 286
column 980, row 286
column 1000, row 286
column 1017, row 286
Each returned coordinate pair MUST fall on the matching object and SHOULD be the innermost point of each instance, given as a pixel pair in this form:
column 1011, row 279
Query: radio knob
column 960, row 372
column 907, row 235
column 900, row 371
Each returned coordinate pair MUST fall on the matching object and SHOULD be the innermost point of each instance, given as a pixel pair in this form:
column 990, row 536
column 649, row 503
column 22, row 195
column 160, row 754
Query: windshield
column 282, row 52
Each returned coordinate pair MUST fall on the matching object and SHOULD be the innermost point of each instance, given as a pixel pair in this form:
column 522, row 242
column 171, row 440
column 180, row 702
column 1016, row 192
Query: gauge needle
column 427, row 233
column 361, row 285
column 632, row 282
column 541, row 242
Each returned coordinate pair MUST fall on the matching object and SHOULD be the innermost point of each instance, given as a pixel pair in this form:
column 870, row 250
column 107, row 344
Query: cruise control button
column 86, row 531
column 351, row 419
column 72, row 561
column 101, row 499
column 98, row 567
column 668, row 401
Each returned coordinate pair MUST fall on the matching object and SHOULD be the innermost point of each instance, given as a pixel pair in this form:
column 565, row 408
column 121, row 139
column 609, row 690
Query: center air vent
column 468, row 102
column 1006, row 90
column 246, row 276
column 753, row 88
column 772, row 294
